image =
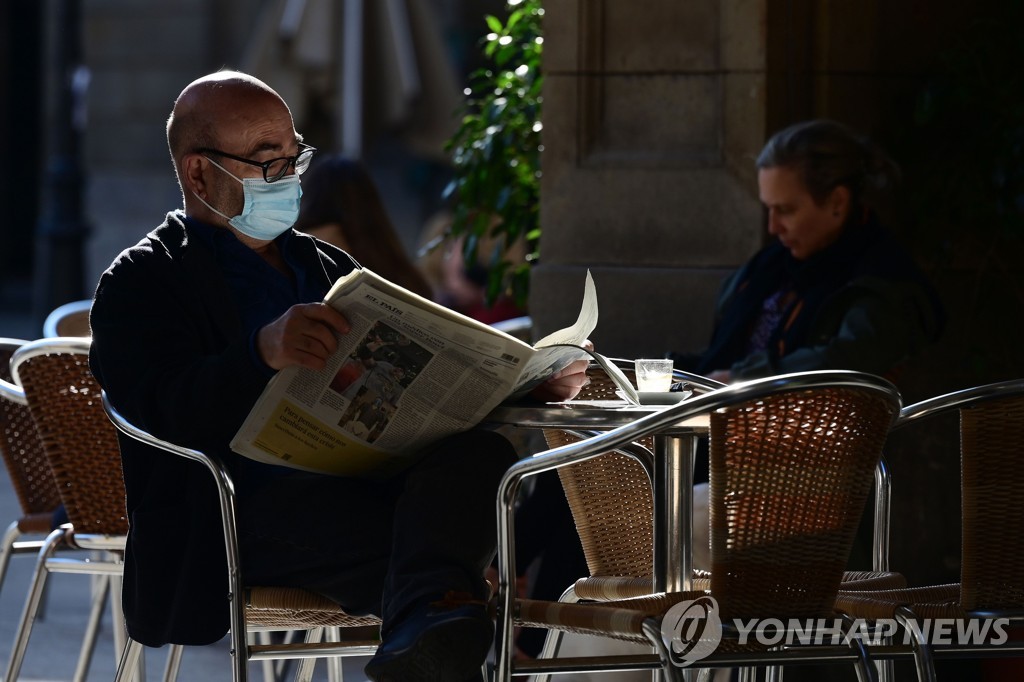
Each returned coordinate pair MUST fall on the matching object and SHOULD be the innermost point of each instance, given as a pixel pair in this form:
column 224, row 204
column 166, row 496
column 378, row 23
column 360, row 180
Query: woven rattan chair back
column 80, row 442
column 610, row 498
column 992, row 563
column 70, row 319
column 793, row 459
column 23, row 455
column 81, row 449
column 790, row 476
column 610, row 495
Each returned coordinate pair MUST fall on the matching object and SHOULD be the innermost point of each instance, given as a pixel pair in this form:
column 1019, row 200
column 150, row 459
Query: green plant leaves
column 496, row 151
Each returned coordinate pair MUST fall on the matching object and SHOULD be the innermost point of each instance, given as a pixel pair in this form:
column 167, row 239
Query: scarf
column 863, row 248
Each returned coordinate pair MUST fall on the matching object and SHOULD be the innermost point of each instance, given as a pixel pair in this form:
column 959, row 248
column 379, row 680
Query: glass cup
column 653, row 375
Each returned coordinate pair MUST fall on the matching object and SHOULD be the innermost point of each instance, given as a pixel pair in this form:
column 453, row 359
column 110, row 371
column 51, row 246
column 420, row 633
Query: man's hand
column 303, row 336
column 564, row 384
column 723, row 375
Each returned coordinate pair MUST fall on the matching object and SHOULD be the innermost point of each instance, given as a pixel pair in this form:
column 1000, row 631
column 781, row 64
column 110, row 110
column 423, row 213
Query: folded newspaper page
column 408, row 373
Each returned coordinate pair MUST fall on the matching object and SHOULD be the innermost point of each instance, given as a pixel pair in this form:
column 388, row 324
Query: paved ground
column 53, row 648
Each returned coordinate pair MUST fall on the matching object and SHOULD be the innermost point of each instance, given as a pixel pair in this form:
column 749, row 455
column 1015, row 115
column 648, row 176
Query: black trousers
column 379, row 546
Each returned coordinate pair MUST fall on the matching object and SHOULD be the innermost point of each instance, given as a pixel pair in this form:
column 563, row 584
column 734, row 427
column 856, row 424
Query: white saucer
column 659, row 397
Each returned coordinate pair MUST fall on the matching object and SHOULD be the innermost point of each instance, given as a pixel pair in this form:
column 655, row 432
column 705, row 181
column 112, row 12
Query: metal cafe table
column 675, row 449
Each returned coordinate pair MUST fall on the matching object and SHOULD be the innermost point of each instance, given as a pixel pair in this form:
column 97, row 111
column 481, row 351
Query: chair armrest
column 221, row 476
column 697, row 405
column 12, row 392
column 957, row 400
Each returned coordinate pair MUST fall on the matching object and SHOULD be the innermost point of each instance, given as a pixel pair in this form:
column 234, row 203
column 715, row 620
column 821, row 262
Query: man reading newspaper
column 189, row 326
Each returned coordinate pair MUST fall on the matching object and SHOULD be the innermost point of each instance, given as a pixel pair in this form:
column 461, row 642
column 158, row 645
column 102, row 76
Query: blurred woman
column 459, row 285
column 341, row 206
column 834, row 290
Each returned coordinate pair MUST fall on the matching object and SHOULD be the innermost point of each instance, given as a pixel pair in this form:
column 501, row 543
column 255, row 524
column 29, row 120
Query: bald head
column 217, row 106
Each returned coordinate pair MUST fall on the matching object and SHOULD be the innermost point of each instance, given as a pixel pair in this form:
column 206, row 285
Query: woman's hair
column 826, row 154
column 339, row 191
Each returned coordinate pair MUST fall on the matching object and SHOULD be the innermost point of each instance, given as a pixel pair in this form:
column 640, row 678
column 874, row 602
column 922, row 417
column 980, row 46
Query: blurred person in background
column 342, row 206
column 457, row 284
column 834, row 289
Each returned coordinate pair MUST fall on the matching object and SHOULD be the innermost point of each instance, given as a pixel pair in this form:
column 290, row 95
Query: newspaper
column 408, row 373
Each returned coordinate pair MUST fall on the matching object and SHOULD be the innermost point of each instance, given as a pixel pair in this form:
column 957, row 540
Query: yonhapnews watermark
column 693, row 629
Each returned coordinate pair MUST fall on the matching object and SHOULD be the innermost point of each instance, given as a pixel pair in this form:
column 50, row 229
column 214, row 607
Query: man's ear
column 839, row 201
column 193, row 167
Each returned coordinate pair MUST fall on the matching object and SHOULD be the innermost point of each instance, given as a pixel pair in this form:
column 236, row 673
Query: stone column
column 652, row 120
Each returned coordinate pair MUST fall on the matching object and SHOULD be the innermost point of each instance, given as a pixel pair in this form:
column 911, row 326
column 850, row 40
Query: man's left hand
column 563, row 384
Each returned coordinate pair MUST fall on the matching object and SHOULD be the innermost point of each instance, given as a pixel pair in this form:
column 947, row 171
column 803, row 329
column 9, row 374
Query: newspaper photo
column 408, row 373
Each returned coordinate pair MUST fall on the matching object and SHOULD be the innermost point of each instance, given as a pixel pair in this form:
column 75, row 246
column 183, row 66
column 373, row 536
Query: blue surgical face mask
column 269, row 209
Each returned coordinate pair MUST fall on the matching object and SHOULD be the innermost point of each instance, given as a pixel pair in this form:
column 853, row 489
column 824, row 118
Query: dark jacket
column 171, row 352
column 860, row 304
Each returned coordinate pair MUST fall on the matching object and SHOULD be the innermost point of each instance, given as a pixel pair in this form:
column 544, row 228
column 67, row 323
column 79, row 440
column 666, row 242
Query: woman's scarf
column 862, row 248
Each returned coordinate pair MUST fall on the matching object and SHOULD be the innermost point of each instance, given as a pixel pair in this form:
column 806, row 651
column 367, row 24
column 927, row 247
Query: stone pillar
column 652, row 120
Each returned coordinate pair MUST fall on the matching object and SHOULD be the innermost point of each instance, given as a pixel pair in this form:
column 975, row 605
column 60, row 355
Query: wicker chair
column 796, row 550
column 81, row 449
column 264, row 608
column 610, row 499
column 26, row 464
column 70, row 319
column 992, row 562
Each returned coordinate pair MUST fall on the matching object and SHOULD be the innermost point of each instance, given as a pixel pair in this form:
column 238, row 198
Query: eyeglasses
column 274, row 169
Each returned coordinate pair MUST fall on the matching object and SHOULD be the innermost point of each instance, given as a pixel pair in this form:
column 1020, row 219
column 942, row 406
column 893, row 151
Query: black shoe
column 434, row 643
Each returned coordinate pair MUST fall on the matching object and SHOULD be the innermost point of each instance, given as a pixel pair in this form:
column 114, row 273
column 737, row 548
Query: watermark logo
column 692, row 630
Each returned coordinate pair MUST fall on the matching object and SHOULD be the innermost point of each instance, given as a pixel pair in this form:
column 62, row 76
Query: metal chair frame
column 604, row 442
column 105, row 549
column 645, row 457
column 68, row 318
column 241, row 650
column 26, row 463
column 908, row 612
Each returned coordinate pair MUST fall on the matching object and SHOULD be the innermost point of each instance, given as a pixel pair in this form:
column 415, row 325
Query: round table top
column 586, row 414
